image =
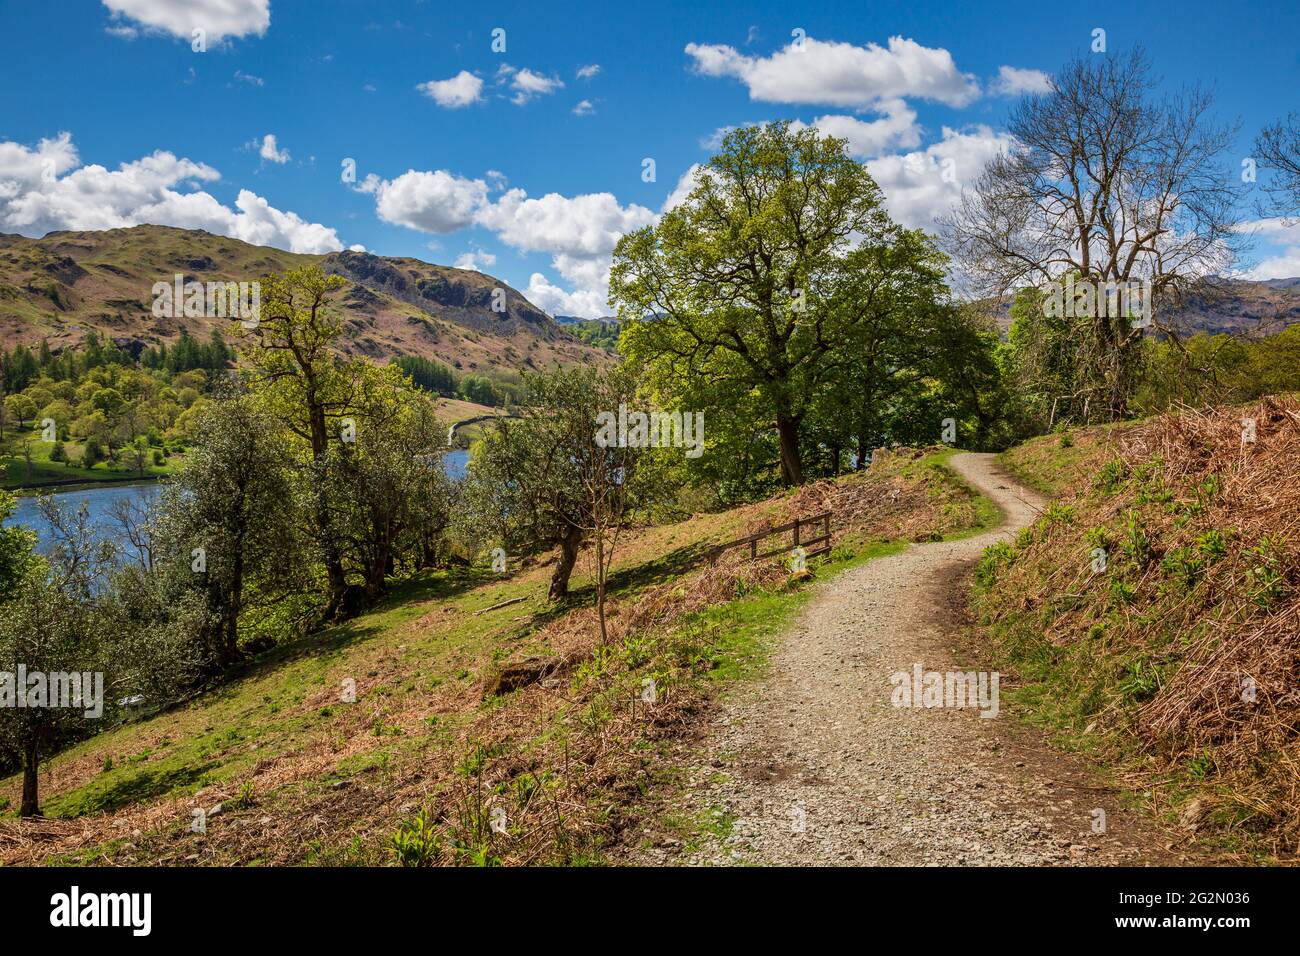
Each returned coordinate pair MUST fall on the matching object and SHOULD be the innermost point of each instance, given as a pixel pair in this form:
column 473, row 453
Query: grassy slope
column 1139, row 665
column 14, row 474
column 308, row 779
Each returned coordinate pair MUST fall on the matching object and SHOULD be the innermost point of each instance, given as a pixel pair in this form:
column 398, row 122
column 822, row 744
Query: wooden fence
column 819, row 544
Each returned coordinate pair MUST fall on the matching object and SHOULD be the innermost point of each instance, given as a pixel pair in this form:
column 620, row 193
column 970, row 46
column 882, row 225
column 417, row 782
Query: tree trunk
column 31, row 764
column 600, row 587
column 569, row 545
column 787, row 429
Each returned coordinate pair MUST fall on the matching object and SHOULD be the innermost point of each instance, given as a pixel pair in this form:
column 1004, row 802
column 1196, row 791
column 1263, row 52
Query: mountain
column 63, row 285
column 1236, row 306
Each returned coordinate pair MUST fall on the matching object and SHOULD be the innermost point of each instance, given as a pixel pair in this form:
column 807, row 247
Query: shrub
column 416, row 843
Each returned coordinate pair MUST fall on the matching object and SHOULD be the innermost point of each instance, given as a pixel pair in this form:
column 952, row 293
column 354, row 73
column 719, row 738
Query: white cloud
column 922, row 185
column 219, row 18
column 475, row 260
column 584, row 303
column 683, row 188
column 841, row 74
column 584, row 108
column 584, row 226
column 1012, row 81
column 268, row 151
column 436, row 201
column 249, row 78
column 579, row 232
column 356, row 247
column 589, row 71
column 896, row 129
column 1285, row 263
column 47, row 188
column 528, row 85
column 463, row 89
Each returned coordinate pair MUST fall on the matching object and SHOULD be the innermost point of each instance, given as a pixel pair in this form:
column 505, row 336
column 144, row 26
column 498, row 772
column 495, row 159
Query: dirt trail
column 813, row 765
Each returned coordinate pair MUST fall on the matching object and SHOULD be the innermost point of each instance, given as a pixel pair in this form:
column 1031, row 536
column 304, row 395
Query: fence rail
column 819, row 544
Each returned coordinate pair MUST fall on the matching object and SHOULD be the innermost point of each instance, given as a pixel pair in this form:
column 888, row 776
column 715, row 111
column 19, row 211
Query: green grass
column 14, row 471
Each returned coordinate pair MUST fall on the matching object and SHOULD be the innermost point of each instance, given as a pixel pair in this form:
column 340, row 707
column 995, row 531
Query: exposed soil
column 814, row 765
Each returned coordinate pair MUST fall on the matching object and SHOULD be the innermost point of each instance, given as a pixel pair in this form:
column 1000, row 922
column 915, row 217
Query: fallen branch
column 496, row 607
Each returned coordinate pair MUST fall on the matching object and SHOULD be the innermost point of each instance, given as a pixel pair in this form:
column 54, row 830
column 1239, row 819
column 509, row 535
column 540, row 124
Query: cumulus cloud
column 1012, row 81
column 589, row 71
column 584, row 108
column 841, row 74
column 584, row 303
column 578, row 232
column 269, row 152
column 587, row 225
column 685, row 183
column 218, row 18
column 1284, row 263
column 896, row 129
column 922, row 185
column 529, row 85
column 436, row 201
column 46, row 188
column 463, row 89
column 475, row 260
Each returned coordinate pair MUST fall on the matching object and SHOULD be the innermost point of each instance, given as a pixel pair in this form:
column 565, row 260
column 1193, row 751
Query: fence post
column 796, row 531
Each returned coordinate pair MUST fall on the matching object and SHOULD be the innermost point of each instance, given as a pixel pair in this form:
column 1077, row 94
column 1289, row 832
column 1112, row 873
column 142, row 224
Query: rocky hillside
column 1232, row 306
column 67, row 283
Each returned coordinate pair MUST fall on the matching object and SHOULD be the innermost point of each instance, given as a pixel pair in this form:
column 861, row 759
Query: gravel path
column 813, row 764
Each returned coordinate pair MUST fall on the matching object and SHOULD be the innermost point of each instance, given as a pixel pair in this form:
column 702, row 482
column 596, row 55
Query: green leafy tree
column 737, row 286
column 229, row 518
column 310, row 386
column 544, row 481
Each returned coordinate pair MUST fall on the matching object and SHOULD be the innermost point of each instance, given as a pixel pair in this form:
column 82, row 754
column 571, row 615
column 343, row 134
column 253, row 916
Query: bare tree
column 1277, row 149
column 1109, row 183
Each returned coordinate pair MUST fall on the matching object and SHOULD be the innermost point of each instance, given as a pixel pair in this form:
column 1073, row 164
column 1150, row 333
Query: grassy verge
column 1150, row 617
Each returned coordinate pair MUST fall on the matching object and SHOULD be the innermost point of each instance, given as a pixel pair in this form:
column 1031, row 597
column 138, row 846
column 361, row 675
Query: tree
column 1278, row 150
column 309, row 386
column 734, row 285
column 894, row 292
column 1106, row 183
column 21, row 408
column 75, row 659
column 230, row 515
column 543, row 480
column 16, row 545
column 388, row 491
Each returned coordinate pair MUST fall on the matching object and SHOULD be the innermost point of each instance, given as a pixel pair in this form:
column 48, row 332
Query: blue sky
column 527, row 163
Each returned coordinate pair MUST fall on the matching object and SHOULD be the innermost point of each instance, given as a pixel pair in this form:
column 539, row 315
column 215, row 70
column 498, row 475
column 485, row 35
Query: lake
column 99, row 499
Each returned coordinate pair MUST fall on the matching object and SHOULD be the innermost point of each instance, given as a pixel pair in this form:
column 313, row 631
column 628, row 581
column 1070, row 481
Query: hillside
column 67, row 283
column 464, row 704
column 1236, row 307
column 1151, row 612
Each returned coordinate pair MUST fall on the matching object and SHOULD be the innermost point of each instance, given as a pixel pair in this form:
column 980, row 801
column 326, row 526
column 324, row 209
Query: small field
column 17, row 473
